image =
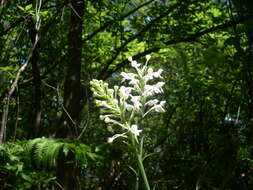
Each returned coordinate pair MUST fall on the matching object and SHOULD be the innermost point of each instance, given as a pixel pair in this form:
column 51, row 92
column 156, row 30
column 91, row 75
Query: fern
column 17, row 160
column 45, row 151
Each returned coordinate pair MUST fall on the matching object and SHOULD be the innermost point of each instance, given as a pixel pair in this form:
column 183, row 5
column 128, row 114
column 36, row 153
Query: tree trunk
column 72, row 86
column 67, row 174
column 36, row 108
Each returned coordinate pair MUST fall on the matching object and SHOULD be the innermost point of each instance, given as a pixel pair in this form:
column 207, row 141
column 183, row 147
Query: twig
column 17, row 116
column 238, row 114
column 10, row 92
column 15, row 83
column 107, row 73
column 107, row 24
column 59, row 185
column 139, row 33
column 62, row 106
column 87, row 121
column 71, row 6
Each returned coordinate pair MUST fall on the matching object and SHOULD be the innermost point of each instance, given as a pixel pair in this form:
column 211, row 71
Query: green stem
column 143, row 173
column 137, row 183
column 138, row 152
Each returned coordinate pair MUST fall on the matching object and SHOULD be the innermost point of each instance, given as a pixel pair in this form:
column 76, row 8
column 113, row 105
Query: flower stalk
column 143, row 173
column 126, row 106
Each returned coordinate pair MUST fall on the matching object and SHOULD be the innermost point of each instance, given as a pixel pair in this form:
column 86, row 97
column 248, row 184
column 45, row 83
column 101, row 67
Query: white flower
column 156, row 107
column 127, row 76
column 148, row 57
column 115, row 101
column 124, row 92
column 129, row 107
column 116, row 88
column 119, row 101
column 152, row 102
column 107, row 119
column 148, row 90
column 157, row 88
column 150, row 71
column 135, row 64
column 101, row 102
column 101, row 117
column 135, row 131
column 136, row 101
column 110, row 92
column 158, row 74
column 134, row 82
column 159, row 84
column 111, row 139
column 159, row 107
column 96, row 94
column 149, row 75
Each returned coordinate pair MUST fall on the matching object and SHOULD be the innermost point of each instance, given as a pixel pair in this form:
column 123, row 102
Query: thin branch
column 43, row 75
column 193, row 37
column 141, row 32
column 11, row 91
column 107, row 24
column 105, row 74
column 238, row 114
column 2, row 2
column 83, row 130
column 88, row 114
column 59, row 185
column 73, row 9
column 17, row 116
column 109, row 72
column 43, row 31
column 61, row 104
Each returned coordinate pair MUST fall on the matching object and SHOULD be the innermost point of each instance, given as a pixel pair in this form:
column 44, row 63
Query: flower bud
column 148, row 57
column 107, row 120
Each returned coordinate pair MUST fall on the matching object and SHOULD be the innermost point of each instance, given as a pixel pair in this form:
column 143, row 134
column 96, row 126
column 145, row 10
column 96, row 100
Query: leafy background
column 202, row 141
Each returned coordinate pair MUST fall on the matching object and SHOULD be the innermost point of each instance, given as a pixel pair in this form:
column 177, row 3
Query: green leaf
column 133, row 170
column 65, row 150
column 148, row 155
column 21, row 8
column 28, row 7
column 26, row 177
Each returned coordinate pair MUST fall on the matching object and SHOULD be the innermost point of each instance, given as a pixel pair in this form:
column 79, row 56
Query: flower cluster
column 121, row 106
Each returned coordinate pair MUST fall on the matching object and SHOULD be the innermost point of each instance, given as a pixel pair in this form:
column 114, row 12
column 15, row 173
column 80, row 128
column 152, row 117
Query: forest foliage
column 51, row 135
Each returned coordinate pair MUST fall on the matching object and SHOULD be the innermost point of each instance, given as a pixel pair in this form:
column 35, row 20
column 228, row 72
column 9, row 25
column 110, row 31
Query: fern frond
column 53, row 153
column 46, row 151
column 30, row 144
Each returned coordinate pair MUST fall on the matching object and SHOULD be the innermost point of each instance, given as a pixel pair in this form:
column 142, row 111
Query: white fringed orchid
column 122, row 105
column 125, row 106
